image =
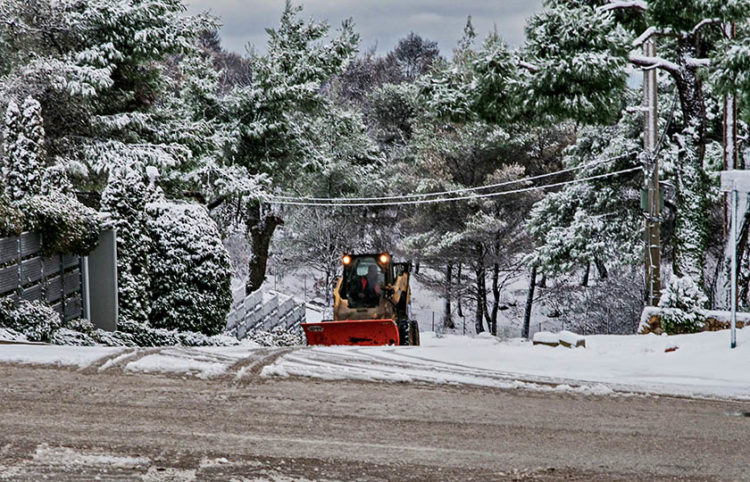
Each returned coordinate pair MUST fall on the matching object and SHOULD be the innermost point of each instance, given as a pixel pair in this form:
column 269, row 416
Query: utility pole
column 731, row 157
column 653, row 214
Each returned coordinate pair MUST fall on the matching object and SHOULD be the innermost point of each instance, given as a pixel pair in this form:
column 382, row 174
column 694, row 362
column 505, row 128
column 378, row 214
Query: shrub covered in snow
column 189, row 269
column 66, row 225
column 55, row 180
column 278, row 337
column 685, row 301
column 124, row 198
column 11, row 218
column 34, row 319
column 144, row 335
column 23, row 147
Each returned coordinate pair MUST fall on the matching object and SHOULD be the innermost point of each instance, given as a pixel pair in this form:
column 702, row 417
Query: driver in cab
column 369, row 286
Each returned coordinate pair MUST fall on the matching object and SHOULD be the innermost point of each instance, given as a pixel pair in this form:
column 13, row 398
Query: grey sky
column 379, row 22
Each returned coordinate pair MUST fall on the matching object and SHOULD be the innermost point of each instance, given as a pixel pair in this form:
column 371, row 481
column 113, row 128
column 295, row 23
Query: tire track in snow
column 119, row 359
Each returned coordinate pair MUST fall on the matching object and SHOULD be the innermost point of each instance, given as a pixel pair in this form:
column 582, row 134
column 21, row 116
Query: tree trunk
column 459, row 307
column 529, row 303
column 496, row 298
column 478, row 319
column 586, row 272
column 601, row 268
column 447, row 315
column 328, row 288
column 692, row 184
column 260, row 241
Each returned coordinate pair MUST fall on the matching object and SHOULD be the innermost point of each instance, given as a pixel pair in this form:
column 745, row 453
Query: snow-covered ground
column 57, row 355
column 701, row 365
column 689, row 365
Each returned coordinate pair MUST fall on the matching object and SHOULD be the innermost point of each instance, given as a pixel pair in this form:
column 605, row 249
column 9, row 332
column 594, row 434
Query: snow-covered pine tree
column 472, row 133
column 189, row 269
column 24, row 149
column 278, row 113
column 125, row 199
column 683, row 301
column 597, row 221
column 577, row 53
column 96, row 66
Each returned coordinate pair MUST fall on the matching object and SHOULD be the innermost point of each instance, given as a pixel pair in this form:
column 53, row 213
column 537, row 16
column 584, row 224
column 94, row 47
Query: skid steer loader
column 371, row 305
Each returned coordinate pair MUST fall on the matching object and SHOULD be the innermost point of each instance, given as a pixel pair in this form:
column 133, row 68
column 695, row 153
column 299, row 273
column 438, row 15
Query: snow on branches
column 189, row 269
column 24, row 149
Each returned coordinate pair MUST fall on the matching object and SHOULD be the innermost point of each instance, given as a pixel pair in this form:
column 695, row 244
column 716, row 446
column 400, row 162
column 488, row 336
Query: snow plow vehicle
column 371, row 305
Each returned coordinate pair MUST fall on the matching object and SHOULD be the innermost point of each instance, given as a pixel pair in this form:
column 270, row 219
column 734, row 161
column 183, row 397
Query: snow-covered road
column 688, row 365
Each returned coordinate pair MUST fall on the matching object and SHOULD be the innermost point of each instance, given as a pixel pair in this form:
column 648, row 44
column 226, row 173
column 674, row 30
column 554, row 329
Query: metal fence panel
column 24, row 272
column 33, row 293
column 8, row 280
column 31, row 243
column 31, row 271
column 8, row 250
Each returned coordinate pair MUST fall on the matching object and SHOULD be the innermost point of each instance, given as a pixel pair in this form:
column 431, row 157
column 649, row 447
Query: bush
column 684, row 302
column 66, row 225
column 124, row 198
column 11, row 219
column 34, row 319
column 278, row 337
column 69, row 337
column 144, row 335
column 189, row 269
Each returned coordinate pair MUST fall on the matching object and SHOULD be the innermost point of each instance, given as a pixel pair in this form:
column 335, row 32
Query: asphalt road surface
column 67, row 424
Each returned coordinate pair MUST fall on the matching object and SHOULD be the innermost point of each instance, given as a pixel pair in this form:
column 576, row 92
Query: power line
column 455, row 191
column 460, row 198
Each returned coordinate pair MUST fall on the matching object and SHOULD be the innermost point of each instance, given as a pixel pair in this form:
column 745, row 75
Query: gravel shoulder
column 77, row 424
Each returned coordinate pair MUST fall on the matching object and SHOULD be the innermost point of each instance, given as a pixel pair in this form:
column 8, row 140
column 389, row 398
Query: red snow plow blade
column 352, row 332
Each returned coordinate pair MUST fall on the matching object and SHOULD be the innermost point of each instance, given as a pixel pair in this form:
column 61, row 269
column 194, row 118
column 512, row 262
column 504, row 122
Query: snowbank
column 78, row 356
column 702, row 365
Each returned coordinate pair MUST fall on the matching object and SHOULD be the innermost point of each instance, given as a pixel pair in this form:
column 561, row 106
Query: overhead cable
column 454, row 191
column 446, row 199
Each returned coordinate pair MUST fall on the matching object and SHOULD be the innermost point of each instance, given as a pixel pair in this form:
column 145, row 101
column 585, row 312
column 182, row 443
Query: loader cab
column 365, row 277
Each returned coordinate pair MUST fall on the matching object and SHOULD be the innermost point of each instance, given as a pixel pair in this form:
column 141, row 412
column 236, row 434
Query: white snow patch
column 80, row 356
column 175, row 363
column 570, row 338
column 63, row 456
column 114, row 361
column 6, row 334
column 545, row 337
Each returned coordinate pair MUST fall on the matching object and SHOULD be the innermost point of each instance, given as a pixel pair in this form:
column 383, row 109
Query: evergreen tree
column 24, row 149
column 596, row 221
column 189, row 269
column 95, row 66
column 277, row 116
column 577, row 52
column 125, row 198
